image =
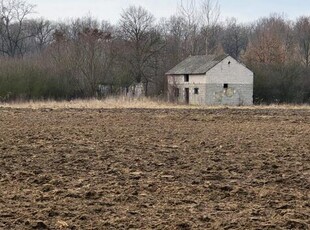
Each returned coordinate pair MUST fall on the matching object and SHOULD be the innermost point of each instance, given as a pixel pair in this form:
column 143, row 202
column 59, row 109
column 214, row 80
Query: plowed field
column 154, row 169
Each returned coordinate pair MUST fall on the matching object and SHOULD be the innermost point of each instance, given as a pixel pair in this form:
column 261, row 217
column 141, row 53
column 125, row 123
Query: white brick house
column 211, row 80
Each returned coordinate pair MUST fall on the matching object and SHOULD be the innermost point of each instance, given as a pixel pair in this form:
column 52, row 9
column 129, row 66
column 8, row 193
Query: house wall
column 240, row 84
column 235, row 94
column 195, row 81
column 194, row 99
column 233, row 73
column 211, row 86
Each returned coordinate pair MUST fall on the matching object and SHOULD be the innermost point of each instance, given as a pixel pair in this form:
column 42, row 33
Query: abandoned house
column 211, row 80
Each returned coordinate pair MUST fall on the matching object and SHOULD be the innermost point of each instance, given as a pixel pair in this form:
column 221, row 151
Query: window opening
column 186, row 78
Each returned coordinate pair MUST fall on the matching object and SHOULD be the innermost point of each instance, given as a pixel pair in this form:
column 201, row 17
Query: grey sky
column 243, row 10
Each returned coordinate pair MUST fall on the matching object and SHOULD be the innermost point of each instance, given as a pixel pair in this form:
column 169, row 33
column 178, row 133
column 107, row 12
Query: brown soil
column 154, row 169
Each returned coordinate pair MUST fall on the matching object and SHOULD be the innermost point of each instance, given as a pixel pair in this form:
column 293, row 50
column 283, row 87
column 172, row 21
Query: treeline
column 40, row 59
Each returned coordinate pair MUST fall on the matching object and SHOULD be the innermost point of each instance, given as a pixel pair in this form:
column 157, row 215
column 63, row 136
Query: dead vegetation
column 153, row 168
column 112, row 102
column 125, row 102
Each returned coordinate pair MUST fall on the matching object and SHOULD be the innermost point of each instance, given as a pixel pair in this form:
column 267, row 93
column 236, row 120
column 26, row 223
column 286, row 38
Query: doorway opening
column 187, row 95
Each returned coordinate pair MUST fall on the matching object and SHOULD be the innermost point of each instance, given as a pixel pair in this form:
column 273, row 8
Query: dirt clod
column 154, row 169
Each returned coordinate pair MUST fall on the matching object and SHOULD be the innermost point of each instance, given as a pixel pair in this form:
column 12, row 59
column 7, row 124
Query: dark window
column 186, row 78
column 196, row 91
column 176, row 92
column 225, row 86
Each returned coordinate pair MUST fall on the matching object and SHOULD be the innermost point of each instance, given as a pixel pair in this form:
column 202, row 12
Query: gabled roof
column 197, row 64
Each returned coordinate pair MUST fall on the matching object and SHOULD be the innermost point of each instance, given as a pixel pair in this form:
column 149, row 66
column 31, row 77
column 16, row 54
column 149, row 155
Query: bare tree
column 142, row 42
column 189, row 14
column 174, row 33
column 87, row 57
column 235, row 38
column 210, row 14
column 204, row 17
column 271, row 41
column 43, row 33
column 92, row 57
column 13, row 32
column 302, row 33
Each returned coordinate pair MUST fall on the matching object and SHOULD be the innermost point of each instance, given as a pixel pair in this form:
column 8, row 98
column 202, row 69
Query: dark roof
column 197, row 64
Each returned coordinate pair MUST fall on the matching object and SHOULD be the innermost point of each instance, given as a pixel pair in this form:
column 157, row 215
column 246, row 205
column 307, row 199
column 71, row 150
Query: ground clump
column 154, row 169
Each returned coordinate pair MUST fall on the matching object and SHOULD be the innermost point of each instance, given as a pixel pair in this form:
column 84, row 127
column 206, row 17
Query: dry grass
column 113, row 102
column 124, row 102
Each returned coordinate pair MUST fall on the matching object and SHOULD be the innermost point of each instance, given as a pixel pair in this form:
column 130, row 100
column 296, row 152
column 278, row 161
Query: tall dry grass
column 124, row 102
column 112, row 102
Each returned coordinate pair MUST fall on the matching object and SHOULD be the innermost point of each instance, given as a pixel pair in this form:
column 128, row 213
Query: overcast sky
column 109, row 10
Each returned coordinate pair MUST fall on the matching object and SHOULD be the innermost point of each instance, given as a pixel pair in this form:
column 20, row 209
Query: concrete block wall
column 211, row 85
column 215, row 94
column 194, row 99
column 234, row 95
column 229, row 71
